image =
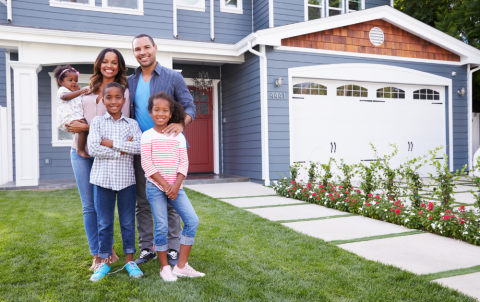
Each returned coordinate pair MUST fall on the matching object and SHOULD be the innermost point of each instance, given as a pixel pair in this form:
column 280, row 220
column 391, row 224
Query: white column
column 3, row 145
column 25, row 81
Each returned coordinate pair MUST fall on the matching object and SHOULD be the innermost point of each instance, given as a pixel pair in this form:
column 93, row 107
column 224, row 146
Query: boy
column 113, row 140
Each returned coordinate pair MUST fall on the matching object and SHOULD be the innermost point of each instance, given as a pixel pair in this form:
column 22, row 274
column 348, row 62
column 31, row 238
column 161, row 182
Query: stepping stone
column 345, row 228
column 235, row 189
column 295, row 212
column 467, row 284
column 261, row 201
column 420, row 254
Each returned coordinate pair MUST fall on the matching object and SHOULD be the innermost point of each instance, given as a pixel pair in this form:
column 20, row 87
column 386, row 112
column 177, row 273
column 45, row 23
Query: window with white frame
column 131, row 7
column 61, row 138
column 335, row 7
column 309, row 88
column 314, row 9
column 231, row 6
column 196, row 5
column 354, row 5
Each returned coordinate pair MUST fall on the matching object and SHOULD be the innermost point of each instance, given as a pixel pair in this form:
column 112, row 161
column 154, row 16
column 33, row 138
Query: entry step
column 210, row 178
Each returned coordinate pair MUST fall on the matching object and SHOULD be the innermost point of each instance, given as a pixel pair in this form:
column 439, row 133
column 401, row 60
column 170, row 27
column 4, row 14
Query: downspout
column 8, row 81
column 270, row 13
column 9, row 11
column 263, row 110
column 212, row 29
column 391, row 3
column 175, row 34
column 471, row 152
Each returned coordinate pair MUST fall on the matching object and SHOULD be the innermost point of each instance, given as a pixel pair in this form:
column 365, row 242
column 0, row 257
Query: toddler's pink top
column 91, row 109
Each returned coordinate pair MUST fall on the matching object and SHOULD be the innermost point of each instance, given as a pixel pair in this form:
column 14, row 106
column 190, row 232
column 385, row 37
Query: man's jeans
column 158, row 202
column 81, row 168
column 145, row 218
column 105, row 205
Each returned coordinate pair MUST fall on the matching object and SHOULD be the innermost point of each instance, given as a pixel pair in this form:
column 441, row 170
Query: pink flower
column 348, row 192
column 462, row 207
column 377, row 197
column 338, row 195
column 306, row 194
column 330, row 195
column 447, row 211
column 332, row 199
column 320, row 186
column 430, row 217
column 397, row 202
column 294, row 187
column 351, row 188
column 443, row 218
column 422, row 205
column 402, row 205
column 323, row 191
column 391, row 210
column 318, row 197
column 462, row 222
column 397, row 211
column 358, row 191
column 370, row 195
column 378, row 202
column 314, row 194
column 420, row 212
column 347, row 199
column 339, row 187
column 293, row 181
column 368, row 204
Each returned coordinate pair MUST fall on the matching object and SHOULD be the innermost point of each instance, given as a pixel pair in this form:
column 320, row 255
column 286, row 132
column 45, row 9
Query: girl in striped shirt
column 165, row 162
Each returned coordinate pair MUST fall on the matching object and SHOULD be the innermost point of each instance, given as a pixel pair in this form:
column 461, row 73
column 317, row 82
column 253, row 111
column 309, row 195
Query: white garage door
column 340, row 119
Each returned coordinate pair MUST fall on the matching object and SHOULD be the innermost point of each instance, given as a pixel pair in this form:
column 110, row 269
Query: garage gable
column 385, row 39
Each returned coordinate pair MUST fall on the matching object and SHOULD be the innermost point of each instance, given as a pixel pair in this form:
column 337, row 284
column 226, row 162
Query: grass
column 453, row 273
column 44, row 257
column 376, row 237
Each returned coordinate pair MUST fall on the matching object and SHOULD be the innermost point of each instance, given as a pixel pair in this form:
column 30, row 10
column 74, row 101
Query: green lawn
column 44, row 257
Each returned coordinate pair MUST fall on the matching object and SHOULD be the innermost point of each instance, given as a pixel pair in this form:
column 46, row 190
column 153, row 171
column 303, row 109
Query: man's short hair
column 144, row 36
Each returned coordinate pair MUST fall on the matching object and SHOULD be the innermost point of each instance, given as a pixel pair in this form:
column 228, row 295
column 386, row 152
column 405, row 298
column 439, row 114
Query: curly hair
column 178, row 113
column 97, row 78
column 57, row 71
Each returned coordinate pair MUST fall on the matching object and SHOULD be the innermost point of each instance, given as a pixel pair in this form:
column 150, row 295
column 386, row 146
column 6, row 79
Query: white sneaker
column 187, row 271
column 166, row 274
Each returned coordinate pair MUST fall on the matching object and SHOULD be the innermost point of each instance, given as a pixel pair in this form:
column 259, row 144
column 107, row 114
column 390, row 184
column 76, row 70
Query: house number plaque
column 278, row 95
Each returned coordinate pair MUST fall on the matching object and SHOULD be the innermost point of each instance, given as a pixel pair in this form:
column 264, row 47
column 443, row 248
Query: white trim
column 391, row 3
column 4, row 158
column 371, row 73
column 347, row 6
column 307, row 5
column 216, row 133
column 83, row 78
column 274, row 36
column 199, row 7
column 471, row 152
column 270, row 14
column 231, row 10
column 9, row 11
column 363, row 55
column 106, row 9
column 175, row 33
column 212, row 20
column 8, row 82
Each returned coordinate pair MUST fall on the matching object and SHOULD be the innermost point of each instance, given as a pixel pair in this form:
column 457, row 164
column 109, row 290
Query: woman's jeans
column 105, row 205
column 158, row 202
column 81, row 168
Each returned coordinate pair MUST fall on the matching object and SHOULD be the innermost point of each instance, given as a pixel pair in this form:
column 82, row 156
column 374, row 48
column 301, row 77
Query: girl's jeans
column 105, row 205
column 158, row 202
column 81, row 168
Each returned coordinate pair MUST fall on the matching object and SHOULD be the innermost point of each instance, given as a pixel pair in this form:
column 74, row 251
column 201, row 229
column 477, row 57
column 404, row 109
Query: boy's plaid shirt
column 111, row 169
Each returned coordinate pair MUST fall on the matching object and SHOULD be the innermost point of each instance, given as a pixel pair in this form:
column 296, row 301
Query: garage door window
column 352, row 90
column 390, row 93
column 426, row 94
column 310, row 89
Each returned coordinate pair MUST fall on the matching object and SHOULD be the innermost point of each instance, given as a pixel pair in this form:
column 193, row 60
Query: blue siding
column 260, row 14
column 189, row 70
column 241, row 135
column 3, row 79
column 375, row 3
column 231, row 28
column 280, row 61
column 288, row 11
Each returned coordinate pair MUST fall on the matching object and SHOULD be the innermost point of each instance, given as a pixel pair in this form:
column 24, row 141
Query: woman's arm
column 77, row 127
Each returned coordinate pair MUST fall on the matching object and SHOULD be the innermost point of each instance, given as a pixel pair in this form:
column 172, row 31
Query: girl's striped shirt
column 166, row 155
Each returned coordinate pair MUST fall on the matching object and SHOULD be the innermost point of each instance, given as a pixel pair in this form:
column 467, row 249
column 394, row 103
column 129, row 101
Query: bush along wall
column 384, row 192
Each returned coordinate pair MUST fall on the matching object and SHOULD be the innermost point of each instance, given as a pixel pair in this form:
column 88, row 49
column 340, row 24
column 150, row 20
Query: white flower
column 442, row 214
column 412, row 214
column 433, row 226
column 406, row 220
column 311, row 196
column 465, row 233
column 385, row 210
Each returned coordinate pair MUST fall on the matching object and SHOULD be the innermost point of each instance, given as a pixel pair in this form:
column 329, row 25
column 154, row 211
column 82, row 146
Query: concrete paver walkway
column 419, row 253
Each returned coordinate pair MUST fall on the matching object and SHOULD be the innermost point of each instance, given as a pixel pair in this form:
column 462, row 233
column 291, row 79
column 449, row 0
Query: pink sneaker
column 187, row 271
column 166, row 274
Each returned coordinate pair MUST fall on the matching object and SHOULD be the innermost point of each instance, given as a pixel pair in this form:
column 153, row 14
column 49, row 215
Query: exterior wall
column 280, row 61
column 188, row 71
column 375, row 3
column 241, row 135
column 288, row 12
column 260, row 14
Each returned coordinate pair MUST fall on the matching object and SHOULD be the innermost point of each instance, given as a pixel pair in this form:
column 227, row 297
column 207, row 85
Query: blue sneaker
column 133, row 270
column 100, row 271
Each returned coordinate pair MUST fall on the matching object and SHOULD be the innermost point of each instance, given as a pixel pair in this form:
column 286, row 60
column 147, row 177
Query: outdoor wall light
column 461, row 92
column 454, row 73
column 279, row 82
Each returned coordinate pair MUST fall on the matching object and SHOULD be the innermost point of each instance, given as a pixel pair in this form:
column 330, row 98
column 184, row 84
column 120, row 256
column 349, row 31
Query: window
column 354, row 5
column 309, row 89
column 335, row 7
column 196, row 5
column 129, row 7
column 231, row 6
column 352, row 91
column 61, row 138
column 426, row 94
column 390, row 93
column 314, row 9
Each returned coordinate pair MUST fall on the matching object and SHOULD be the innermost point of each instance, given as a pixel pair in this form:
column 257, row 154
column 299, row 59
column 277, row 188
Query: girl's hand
column 85, row 90
column 166, row 188
column 173, row 192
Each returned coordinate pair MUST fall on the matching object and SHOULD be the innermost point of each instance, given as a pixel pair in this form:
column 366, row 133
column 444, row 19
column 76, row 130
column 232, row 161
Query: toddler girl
column 165, row 162
column 70, row 103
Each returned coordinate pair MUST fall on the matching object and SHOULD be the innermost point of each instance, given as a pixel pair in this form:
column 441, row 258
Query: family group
column 129, row 150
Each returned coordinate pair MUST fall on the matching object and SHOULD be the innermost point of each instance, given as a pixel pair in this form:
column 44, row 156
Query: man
column 148, row 79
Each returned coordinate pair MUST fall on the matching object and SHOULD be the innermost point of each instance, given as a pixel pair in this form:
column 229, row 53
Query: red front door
column 199, row 133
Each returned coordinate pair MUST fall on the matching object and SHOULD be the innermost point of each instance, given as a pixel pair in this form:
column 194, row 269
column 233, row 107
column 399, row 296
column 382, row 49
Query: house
column 294, row 80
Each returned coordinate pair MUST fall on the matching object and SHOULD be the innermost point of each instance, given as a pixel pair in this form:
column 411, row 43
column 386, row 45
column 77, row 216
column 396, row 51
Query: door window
column 426, row 94
column 201, row 101
column 390, row 93
column 352, row 91
column 310, row 89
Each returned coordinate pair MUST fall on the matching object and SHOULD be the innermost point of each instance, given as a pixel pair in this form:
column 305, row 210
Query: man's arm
column 183, row 96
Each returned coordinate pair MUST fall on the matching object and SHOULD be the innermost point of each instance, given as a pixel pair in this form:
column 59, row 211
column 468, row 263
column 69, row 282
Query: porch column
column 25, row 81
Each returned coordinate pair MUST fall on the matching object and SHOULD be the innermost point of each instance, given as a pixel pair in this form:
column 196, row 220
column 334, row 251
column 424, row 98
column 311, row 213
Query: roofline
column 273, row 36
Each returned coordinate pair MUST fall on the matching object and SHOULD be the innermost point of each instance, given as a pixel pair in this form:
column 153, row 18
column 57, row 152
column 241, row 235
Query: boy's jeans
column 158, row 202
column 105, row 206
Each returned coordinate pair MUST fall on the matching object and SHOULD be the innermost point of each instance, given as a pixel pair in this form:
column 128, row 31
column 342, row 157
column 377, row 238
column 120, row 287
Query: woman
column 109, row 67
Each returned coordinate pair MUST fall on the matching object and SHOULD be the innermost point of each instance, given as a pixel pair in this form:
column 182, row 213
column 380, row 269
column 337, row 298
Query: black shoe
column 172, row 256
column 145, row 256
